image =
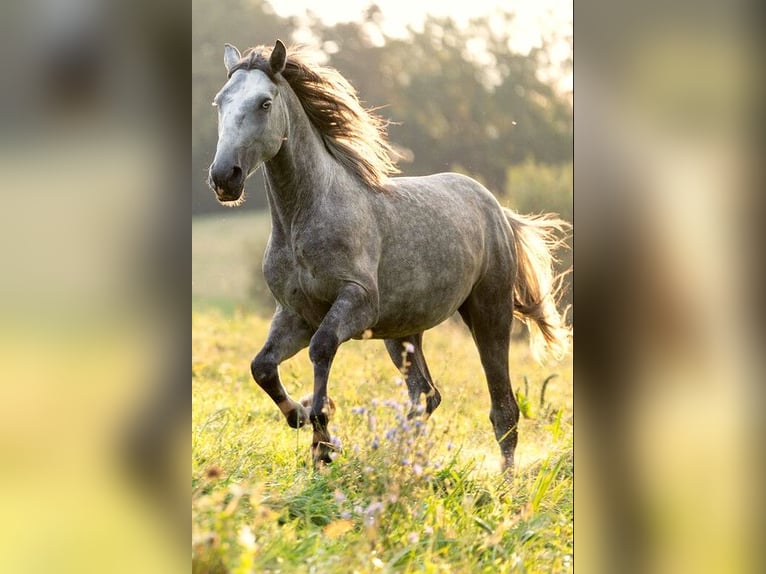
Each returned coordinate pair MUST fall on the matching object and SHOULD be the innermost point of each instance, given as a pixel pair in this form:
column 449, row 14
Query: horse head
column 252, row 120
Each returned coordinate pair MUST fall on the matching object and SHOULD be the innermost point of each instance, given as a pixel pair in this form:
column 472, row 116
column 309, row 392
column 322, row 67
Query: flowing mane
column 354, row 136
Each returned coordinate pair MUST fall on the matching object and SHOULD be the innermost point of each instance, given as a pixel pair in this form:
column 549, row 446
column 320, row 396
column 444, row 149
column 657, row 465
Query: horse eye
column 266, row 105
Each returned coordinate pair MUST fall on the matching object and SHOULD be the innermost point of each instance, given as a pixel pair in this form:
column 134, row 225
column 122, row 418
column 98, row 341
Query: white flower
column 246, row 537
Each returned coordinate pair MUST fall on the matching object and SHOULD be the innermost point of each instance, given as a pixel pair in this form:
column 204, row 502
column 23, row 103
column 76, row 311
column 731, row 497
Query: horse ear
column 230, row 56
column 278, row 58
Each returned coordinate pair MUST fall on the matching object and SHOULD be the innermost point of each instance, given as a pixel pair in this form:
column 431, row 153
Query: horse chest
column 295, row 281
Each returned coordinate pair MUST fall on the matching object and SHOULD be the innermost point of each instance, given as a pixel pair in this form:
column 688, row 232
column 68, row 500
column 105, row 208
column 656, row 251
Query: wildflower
column 336, row 442
column 374, row 508
column 374, row 402
column 413, row 538
column 428, row 530
column 417, row 469
column 372, row 422
column 390, row 434
column 358, row 410
column 371, row 512
column 337, row 528
column 339, row 496
column 246, row 537
column 375, row 443
column 409, row 347
column 345, row 515
column 213, row 472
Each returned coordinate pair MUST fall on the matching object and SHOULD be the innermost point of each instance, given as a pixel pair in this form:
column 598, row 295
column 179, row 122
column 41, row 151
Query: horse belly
column 421, row 301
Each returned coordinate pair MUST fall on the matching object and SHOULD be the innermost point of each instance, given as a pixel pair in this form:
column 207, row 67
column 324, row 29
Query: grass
column 401, row 496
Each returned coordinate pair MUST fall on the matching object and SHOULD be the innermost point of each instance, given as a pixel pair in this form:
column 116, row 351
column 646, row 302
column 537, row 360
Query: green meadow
column 401, row 496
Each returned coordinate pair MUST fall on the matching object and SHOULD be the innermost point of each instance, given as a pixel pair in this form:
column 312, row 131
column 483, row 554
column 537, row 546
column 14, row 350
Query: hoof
column 432, row 402
column 321, row 453
column 297, row 417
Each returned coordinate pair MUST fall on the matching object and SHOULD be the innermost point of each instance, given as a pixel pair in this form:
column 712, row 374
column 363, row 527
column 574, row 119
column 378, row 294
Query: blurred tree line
column 458, row 98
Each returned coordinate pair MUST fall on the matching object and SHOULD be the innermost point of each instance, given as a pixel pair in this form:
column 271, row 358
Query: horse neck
column 301, row 171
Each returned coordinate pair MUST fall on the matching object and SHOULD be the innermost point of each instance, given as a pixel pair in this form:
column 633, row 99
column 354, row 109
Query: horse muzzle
column 227, row 181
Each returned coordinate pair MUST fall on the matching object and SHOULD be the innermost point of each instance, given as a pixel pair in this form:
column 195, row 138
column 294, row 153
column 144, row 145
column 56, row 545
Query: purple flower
column 371, row 511
column 339, row 496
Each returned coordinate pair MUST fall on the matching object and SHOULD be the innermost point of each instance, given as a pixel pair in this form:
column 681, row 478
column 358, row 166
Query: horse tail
column 537, row 289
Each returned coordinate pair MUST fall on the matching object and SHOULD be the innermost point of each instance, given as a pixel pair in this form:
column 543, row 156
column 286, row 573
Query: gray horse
column 354, row 253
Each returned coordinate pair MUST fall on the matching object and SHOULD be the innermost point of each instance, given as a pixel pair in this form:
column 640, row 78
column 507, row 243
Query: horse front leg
column 354, row 310
column 288, row 334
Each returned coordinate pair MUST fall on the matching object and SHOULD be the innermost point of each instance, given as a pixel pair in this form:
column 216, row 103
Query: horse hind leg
column 490, row 326
column 407, row 355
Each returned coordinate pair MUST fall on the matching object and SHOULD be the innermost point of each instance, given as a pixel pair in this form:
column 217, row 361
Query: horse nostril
column 222, row 176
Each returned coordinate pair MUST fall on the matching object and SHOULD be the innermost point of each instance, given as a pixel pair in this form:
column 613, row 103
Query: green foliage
column 401, row 496
column 532, row 187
